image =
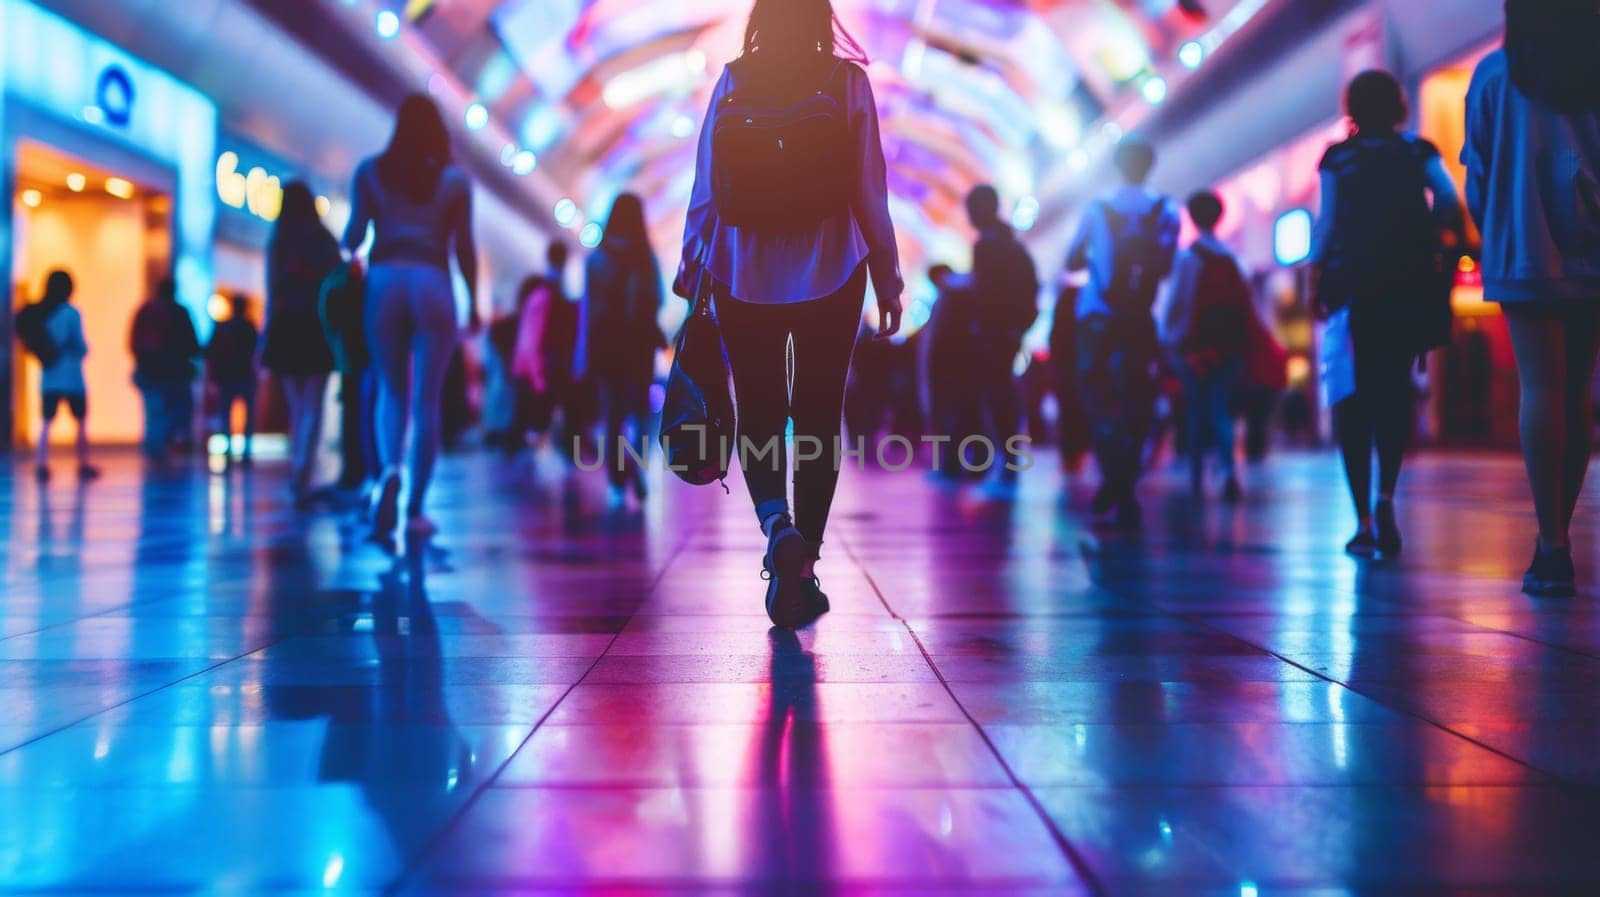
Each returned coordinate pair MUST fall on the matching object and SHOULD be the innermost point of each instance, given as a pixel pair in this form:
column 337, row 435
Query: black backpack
column 1140, row 258
column 781, row 164
column 33, row 330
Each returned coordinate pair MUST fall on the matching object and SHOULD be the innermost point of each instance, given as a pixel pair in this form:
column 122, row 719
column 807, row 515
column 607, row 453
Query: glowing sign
column 113, row 94
column 1291, row 237
column 256, row 191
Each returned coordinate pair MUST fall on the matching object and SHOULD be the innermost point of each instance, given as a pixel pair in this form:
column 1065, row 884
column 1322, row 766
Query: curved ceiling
column 610, row 93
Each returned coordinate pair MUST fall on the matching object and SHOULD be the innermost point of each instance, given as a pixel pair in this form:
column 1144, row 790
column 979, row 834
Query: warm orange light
column 32, row 198
column 120, row 188
column 76, row 181
column 1467, row 265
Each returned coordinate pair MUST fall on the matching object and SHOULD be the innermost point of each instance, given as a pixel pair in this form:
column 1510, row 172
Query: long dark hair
column 418, row 152
column 298, row 223
column 790, row 32
column 1551, row 46
column 626, row 235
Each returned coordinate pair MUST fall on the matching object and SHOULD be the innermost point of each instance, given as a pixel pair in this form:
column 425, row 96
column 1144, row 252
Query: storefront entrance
column 110, row 229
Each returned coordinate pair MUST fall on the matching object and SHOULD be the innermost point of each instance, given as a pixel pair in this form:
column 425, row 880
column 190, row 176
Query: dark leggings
column 1381, row 412
column 758, row 337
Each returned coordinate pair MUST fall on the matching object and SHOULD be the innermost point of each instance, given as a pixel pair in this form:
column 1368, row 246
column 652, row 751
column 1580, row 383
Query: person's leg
column 1100, row 404
column 295, row 393
column 389, row 328
column 79, row 406
column 433, row 345
column 351, row 473
column 42, row 450
column 612, row 403
column 316, row 394
column 1583, row 346
column 247, row 395
column 1394, row 409
column 757, row 341
column 1352, row 424
column 156, row 427
column 1135, row 392
column 1196, row 398
column 1537, row 339
column 824, row 341
column 1001, row 408
column 1220, row 395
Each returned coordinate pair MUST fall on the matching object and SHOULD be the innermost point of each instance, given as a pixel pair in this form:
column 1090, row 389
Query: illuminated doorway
column 111, row 230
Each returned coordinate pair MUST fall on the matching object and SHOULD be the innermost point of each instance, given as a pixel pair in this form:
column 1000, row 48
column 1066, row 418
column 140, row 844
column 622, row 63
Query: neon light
column 388, row 24
column 1192, row 54
column 1291, row 237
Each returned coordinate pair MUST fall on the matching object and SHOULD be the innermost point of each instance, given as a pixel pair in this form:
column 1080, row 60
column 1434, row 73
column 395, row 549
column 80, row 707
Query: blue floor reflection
column 201, row 691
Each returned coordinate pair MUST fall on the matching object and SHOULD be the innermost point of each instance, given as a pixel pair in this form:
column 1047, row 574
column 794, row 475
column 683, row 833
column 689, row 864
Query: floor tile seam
column 145, row 694
column 415, row 863
column 1421, row 717
column 1079, row 863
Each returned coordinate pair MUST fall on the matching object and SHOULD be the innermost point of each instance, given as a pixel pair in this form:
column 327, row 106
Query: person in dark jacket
column 300, row 257
column 231, row 367
column 1371, row 251
column 624, row 290
column 165, row 349
column 952, row 399
column 1533, row 184
column 1005, row 303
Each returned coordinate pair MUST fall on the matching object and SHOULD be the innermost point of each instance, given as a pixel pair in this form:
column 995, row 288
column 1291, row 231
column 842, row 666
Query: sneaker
column 1551, row 575
column 787, row 602
column 88, row 473
column 1389, row 541
column 1364, row 545
column 41, row 474
column 1233, row 493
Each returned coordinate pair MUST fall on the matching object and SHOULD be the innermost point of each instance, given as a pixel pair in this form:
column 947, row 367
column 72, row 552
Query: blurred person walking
column 52, row 330
column 300, row 256
column 1533, row 184
column 1005, row 303
column 788, row 230
column 948, row 361
column 165, row 349
column 1127, row 242
column 623, row 291
column 231, row 370
column 1375, row 258
column 419, row 206
column 1206, row 335
column 342, row 308
column 543, row 352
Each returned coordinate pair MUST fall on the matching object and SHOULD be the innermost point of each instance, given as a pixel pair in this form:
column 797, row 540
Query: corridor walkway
column 202, row 692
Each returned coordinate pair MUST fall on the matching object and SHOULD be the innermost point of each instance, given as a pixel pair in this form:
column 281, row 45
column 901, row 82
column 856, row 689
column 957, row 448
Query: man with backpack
column 1005, row 297
column 1206, row 334
column 1127, row 242
column 52, row 331
column 164, row 349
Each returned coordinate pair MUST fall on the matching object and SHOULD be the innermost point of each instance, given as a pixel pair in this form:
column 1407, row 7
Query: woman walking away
column 301, row 255
column 1375, row 254
column 789, row 214
column 1533, row 183
column 419, row 205
column 623, row 284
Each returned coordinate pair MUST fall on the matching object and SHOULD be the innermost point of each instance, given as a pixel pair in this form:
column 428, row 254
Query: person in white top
column 61, row 381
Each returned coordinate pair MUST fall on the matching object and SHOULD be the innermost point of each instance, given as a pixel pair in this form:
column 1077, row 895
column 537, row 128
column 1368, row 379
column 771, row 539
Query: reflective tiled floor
column 202, row 692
